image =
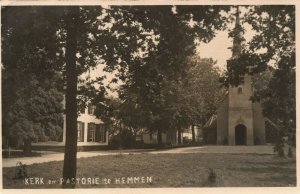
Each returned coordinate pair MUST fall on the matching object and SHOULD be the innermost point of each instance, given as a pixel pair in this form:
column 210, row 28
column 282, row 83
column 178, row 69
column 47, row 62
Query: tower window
column 240, row 90
column 242, row 80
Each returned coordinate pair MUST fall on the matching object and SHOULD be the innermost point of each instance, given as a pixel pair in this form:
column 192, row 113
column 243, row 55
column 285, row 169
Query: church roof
column 212, row 121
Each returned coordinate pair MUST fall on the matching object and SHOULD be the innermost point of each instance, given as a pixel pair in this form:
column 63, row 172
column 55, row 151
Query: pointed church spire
column 237, row 32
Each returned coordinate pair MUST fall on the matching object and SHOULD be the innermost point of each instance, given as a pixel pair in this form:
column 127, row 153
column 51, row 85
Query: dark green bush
column 125, row 139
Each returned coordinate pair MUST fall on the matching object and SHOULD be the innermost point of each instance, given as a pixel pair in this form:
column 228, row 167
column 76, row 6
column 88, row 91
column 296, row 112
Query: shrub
column 20, row 171
column 256, row 141
column 279, row 149
column 115, row 142
column 290, row 152
column 212, row 176
column 125, row 139
column 225, row 141
column 211, row 179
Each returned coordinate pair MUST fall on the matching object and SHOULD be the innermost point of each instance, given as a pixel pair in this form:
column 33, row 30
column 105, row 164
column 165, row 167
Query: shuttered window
column 80, row 131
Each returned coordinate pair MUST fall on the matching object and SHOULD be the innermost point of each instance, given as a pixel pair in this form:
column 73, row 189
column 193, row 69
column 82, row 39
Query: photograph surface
column 148, row 96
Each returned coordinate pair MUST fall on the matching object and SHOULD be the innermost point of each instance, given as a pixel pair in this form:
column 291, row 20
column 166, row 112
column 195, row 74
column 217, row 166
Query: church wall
column 222, row 122
column 240, row 110
column 258, row 124
column 240, row 116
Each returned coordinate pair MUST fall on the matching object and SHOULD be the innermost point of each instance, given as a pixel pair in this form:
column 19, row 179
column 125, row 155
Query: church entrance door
column 240, row 135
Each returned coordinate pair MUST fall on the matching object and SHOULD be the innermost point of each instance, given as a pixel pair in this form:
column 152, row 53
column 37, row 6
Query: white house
column 90, row 130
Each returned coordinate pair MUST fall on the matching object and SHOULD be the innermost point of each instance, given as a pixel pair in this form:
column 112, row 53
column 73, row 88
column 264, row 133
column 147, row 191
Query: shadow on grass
column 268, row 172
column 277, row 161
column 260, row 170
column 19, row 154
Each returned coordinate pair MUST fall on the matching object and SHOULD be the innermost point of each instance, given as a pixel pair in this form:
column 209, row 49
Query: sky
column 219, row 47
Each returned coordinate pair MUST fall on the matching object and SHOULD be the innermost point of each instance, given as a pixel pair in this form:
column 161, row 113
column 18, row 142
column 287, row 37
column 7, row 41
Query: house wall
column 170, row 137
column 198, row 134
column 153, row 140
column 85, row 118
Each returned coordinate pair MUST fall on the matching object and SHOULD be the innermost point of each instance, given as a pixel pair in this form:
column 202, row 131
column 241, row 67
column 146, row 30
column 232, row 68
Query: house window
column 80, row 131
column 91, row 109
column 91, row 132
column 100, row 133
column 240, row 90
column 96, row 132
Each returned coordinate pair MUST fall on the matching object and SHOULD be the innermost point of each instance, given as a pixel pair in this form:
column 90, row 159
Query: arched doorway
column 240, row 135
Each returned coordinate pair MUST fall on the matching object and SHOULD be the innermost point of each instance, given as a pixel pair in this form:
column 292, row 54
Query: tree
column 84, row 44
column 36, row 114
column 43, row 40
column 69, row 168
column 277, row 33
column 169, row 40
column 31, row 103
column 201, row 92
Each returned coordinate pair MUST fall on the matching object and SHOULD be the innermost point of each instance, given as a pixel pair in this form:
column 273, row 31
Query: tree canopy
column 166, row 39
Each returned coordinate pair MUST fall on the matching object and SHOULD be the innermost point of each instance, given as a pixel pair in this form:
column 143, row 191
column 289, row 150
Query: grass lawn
column 170, row 170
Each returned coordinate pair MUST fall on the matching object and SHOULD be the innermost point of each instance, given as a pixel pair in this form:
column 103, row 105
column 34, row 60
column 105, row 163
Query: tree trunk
column 159, row 137
column 27, row 147
column 69, row 167
column 179, row 136
column 193, row 134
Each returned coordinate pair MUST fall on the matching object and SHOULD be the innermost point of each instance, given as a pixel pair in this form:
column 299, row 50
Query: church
column 239, row 121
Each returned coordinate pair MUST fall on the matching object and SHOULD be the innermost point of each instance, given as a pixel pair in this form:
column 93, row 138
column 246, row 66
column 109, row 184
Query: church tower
column 240, row 121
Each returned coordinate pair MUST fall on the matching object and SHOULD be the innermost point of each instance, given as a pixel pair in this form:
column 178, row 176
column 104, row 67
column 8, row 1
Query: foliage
column 225, row 141
column 212, row 176
column 21, row 171
column 277, row 35
column 125, row 139
column 201, row 93
column 32, row 103
column 43, row 40
column 166, row 40
column 290, row 152
column 36, row 113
